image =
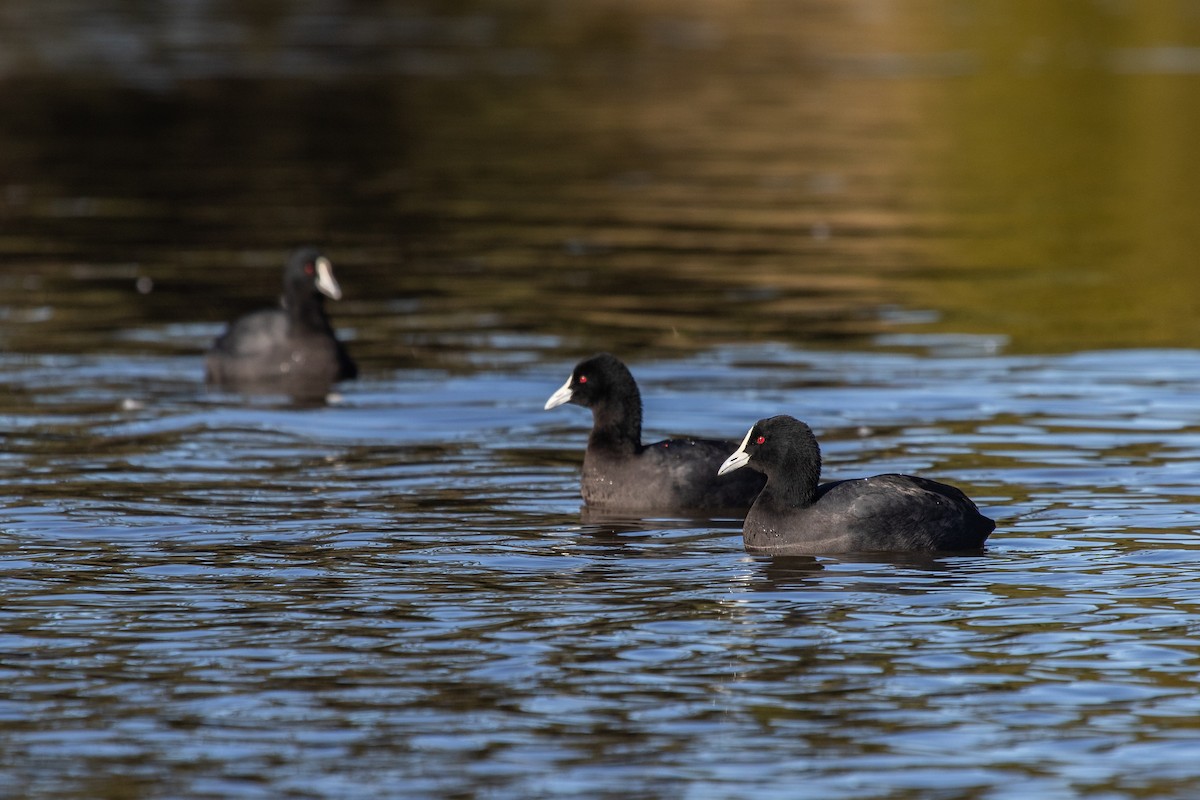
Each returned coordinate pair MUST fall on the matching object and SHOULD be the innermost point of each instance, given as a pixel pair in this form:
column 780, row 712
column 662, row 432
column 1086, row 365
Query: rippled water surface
column 952, row 239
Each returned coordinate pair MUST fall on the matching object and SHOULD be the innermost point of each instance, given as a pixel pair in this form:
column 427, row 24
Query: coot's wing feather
column 905, row 512
column 690, row 466
column 256, row 334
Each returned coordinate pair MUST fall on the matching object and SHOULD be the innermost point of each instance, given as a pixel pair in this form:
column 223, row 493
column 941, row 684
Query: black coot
column 291, row 347
column 795, row 516
column 622, row 475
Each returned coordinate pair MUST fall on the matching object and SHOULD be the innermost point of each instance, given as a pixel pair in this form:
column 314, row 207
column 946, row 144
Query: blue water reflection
column 223, row 597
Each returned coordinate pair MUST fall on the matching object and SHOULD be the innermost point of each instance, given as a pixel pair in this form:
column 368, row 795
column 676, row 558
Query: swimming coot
column 290, row 346
column 795, row 516
column 621, row 474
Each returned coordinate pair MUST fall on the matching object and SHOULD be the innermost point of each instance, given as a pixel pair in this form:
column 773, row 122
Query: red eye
column 583, row 378
column 309, row 268
column 760, row 440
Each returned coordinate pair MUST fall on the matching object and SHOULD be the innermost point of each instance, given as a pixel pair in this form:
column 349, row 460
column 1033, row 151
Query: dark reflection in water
column 873, row 216
column 790, row 572
column 599, row 520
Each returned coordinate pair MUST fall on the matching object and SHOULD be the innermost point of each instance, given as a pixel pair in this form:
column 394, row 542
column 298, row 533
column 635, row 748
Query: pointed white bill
column 563, row 395
column 740, row 457
column 326, row 283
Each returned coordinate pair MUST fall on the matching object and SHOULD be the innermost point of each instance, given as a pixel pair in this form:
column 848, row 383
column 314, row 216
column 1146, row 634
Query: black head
column 309, row 274
column 777, row 444
column 594, row 382
column 603, row 384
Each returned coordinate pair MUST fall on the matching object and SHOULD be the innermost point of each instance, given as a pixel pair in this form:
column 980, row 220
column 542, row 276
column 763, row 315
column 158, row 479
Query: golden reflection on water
column 1067, row 153
column 662, row 176
column 1022, row 169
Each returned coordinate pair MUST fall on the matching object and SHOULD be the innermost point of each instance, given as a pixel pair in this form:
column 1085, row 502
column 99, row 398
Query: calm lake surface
column 958, row 239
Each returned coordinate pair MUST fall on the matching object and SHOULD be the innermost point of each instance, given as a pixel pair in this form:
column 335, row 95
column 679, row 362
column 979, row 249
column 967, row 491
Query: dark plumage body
column 290, row 347
column 793, row 515
column 620, row 474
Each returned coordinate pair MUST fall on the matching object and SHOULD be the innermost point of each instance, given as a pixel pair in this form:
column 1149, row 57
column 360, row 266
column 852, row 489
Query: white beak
column 740, row 457
column 563, row 395
column 326, row 283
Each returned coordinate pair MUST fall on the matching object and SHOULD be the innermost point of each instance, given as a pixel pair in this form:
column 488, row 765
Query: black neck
column 617, row 421
column 308, row 310
column 793, row 478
